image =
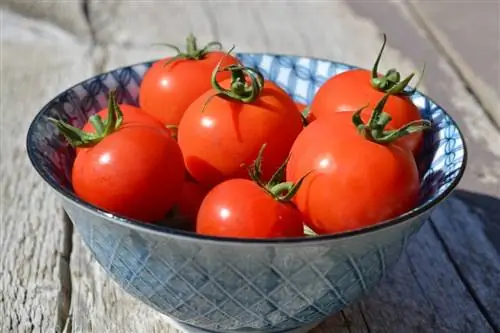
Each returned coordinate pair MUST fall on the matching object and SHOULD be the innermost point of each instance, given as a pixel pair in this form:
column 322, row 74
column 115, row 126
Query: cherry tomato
column 220, row 136
column 353, row 89
column 130, row 171
column 240, row 208
column 189, row 201
column 355, row 181
column 132, row 116
column 172, row 84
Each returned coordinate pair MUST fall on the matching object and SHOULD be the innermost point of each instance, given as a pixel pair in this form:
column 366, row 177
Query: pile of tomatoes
column 231, row 153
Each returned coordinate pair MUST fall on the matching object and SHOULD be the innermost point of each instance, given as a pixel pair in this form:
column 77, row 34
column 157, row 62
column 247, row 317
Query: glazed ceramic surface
column 233, row 285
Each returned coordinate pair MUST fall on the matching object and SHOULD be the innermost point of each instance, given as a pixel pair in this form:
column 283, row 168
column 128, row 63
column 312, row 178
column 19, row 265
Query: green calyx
column 392, row 77
column 192, row 52
column 78, row 138
column 246, row 83
column 281, row 191
column 375, row 130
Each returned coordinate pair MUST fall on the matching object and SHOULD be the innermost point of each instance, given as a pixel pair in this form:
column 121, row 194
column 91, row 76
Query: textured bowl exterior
column 231, row 285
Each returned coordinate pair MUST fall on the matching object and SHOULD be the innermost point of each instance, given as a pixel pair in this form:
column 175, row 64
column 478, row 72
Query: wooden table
column 449, row 277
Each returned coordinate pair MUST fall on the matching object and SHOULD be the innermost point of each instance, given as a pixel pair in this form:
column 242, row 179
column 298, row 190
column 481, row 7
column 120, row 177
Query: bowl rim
column 189, row 235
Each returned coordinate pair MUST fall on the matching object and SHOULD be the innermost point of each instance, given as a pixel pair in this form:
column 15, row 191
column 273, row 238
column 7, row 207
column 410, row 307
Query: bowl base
column 190, row 329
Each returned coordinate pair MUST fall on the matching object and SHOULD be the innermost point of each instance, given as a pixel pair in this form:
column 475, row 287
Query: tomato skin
column 135, row 172
column 222, row 141
column 131, row 116
column 240, row 208
column 354, row 182
column 167, row 91
column 190, row 199
column 351, row 90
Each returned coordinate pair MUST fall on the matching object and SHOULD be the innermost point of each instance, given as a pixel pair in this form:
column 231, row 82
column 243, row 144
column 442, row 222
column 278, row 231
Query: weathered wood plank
column 455, row 25
column 424, row 293
column 34, row 268
column 68, row 15
column 402, row 302
column 471, row 236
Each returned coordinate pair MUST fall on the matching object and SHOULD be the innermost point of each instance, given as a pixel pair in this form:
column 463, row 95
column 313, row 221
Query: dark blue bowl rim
column 162, row 230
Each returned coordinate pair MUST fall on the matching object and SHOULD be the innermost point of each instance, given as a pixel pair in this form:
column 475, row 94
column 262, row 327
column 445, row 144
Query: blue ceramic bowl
column 229, row 285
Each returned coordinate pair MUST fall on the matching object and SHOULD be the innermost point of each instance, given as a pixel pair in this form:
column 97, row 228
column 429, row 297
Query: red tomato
column 131, row 171
column 132, row 116
column 172, row 84
column 190, row 198
column 220, row 141
column 240, row 208
column 355, row 182
column 353, row 89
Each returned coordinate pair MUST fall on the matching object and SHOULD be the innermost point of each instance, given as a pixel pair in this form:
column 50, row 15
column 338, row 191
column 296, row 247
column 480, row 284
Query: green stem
column 192, row 51
column 98, row 124
column 78, row 138
column 246, row 83
column 392, row 77
column 375, row 130
column 281, row 191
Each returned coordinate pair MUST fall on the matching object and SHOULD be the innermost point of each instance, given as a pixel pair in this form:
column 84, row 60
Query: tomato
column 358, row 178
column 356, row 88
column 189, row 201
column 222, row 131
column 172, row 84
column 240, row 208
column 132, row 116
column 131, row 171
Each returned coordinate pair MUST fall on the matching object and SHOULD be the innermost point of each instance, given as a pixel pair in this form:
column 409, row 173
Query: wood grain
column 34, row 270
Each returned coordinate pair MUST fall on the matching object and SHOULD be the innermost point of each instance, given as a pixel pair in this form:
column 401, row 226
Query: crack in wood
column 63, row 320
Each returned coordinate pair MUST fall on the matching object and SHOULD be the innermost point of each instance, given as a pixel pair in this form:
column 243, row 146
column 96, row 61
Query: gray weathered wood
column 68, row 14
column 468, row 32
column 424, row 293
column 34, row 270
column 470, row 233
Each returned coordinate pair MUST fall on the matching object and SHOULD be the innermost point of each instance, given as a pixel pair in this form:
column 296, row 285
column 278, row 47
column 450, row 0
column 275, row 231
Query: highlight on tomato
column 131, row 170
column 244, row 208
column 361, row 174
column 222, row 131
column 354, row 88
column 170, row 85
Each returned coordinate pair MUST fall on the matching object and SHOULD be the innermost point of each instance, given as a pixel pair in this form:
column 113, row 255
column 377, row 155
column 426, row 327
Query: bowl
column 208, row 284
